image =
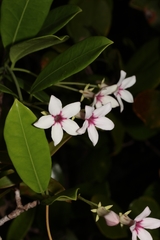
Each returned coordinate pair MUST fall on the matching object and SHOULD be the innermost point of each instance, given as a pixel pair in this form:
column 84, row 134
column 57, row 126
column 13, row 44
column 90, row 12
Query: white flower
column 141, row 222
column 59, row 120
column 121, row 93
column 96, row 118
column 102, row 98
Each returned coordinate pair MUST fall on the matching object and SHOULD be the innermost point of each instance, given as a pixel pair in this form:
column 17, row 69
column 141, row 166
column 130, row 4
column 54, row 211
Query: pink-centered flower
column 59, row 120
column 121, row 92
column 141, row 222
column 96, row 118
column 102, row 97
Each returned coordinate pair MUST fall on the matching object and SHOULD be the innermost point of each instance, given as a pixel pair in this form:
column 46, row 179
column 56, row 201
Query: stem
column 16, row 83
column 47, row 223
column 79, row 84
column 24, row 70
column 66, row 87
column 33, row 106
column 87, row 201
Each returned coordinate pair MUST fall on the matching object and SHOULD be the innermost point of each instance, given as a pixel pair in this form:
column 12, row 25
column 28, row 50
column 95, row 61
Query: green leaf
column 22, row 49
column 20, row 226
column 23, row 19
column 145, row 65
column 95, row 19
column 70, row 62
column 55, row 187
column 69, row 194
column 10, row 180
column 54, row 149
column 58, row 18
column 6, row 90
column 27, row 147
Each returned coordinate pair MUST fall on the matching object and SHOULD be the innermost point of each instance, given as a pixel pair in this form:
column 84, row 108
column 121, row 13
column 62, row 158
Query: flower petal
column 44, row 122
column 102, row 111
column 150, row 223
column 55, row 106
column 88, row 110
column 83, row 128
column 71, row 110
column 127, row 96
column 111, row 218
column 109, row 99
column 134, row 235
column 143, row 214
column 104, row 123
column 122, row 77
column 120, row 103
column 70, row 127
column 56, row 133
column 128, row 82
column 93, row 134
column 109, row 89
column 144, row 235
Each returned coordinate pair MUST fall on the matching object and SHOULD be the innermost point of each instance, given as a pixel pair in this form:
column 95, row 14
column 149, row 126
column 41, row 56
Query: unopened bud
column 125, row 220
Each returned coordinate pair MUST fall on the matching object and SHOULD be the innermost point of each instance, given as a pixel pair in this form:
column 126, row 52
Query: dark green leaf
column 95, row 19
column 70, row 62
column 10, row 180
column 145, row 65
column 55, row 187
column 54, row 149
column 23, row 19
column 58, row 18
column 27, row 147
column 22, row 49
column 6, row 90
column 20, row 226
column 69, row 194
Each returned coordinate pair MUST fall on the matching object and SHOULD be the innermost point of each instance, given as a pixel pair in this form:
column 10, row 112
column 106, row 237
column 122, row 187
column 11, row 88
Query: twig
column 20, row 208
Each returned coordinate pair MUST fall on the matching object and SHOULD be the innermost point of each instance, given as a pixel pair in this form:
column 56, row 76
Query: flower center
column 58, row 118
column 119, row 90
column 138, row 226
column 91, row 120
column 99, row 97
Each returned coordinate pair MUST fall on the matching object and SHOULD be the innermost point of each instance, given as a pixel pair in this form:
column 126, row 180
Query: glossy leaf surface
column 35, row 44
column 58, row 18
column 23, row 19
column 27, row 147
column 70, row 62
column 95, row 19
column 6, row 90
column 69, row 194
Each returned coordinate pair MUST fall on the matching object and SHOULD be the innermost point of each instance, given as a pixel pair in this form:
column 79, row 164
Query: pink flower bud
column 111, row 218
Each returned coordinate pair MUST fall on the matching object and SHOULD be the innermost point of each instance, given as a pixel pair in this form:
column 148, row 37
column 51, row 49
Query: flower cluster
column 59, row 118
column 137, row 226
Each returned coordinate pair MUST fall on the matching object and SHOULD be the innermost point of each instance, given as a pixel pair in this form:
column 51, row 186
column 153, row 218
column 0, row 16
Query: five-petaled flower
column 59, row 120
column 121, row 92
column 96, row 118
column 102, row 97
column 141, row 222
column 110, row 217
